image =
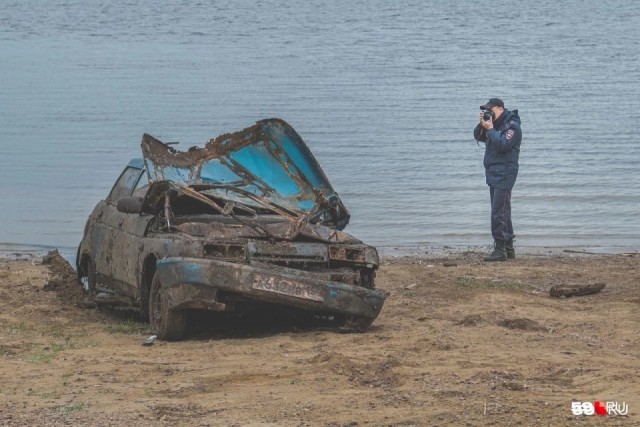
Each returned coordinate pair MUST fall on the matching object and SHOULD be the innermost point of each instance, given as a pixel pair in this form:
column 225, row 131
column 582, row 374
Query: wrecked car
column 248, row 220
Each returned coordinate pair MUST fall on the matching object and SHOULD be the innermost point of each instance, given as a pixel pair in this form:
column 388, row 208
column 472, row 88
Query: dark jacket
column 502, row 149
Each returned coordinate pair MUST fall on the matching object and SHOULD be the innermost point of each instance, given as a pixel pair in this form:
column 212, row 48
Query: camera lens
column 487, row 115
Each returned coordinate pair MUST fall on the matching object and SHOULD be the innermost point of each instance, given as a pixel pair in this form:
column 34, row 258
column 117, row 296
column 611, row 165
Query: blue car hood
column 265, row 165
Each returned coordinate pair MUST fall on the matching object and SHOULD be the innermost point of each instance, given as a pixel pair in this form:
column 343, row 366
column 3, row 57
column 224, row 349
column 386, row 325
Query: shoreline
column 395, row 252
column 446, row 251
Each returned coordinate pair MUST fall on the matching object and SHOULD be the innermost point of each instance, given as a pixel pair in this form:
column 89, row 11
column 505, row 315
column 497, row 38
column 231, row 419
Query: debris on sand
column 522, row 324
column 558, row 291
column 149, row 341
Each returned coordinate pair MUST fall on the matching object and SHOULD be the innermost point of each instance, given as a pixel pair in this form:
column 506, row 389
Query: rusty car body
column 250, row 218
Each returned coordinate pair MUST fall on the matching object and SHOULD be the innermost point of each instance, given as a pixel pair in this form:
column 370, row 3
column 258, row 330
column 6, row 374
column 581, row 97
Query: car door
column 122, row 235
column 129, row 242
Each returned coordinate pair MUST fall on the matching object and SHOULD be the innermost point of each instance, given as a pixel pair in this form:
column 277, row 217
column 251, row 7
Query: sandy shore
column 459, row 342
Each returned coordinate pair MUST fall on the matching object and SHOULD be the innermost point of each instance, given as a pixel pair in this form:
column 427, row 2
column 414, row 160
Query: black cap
column 493, row 102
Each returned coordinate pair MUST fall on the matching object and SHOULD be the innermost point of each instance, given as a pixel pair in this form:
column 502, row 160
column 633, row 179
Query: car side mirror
column 131, row 205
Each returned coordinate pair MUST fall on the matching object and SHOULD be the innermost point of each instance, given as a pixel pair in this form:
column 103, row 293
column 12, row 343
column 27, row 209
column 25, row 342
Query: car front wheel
column 356, row 324
column 168, row 324
column 87, row 276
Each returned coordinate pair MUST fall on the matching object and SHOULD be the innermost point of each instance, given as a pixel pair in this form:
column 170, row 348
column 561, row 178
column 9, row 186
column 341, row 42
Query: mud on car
column 249, row 220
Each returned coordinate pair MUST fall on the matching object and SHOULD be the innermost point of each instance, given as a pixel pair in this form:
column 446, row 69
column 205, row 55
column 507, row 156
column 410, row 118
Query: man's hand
column 487, row 124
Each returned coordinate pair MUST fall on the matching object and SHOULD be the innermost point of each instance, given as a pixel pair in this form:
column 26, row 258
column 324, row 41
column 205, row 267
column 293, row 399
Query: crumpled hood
column 286, row 228
column 267, row 165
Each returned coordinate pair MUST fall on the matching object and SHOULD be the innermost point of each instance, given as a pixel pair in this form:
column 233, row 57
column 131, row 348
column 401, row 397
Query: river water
column 385, row 93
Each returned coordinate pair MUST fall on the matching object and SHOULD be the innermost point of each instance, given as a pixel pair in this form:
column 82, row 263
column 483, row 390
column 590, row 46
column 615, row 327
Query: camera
column 488, row 115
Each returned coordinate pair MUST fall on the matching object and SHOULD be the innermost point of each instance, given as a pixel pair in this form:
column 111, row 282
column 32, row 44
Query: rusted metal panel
column 275, row 284
column 288, row 251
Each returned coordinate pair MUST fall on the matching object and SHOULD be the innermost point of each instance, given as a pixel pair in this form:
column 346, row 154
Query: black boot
column 499, row 252
column 511, row 252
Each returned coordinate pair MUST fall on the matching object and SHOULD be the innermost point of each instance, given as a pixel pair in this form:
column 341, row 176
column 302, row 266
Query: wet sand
column 459, row 342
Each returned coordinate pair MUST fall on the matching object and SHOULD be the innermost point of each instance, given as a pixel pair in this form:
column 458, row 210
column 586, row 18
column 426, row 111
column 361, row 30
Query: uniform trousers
column 501, row 227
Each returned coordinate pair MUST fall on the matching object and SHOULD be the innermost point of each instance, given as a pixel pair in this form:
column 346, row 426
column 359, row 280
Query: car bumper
column 194, row 283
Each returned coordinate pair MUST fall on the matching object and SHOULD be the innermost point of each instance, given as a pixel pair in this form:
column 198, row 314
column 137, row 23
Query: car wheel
column 88, row 276
column 168, row 324
column 356, row 324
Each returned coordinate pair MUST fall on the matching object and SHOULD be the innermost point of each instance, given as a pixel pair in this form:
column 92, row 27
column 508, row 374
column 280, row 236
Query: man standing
column 500, row 130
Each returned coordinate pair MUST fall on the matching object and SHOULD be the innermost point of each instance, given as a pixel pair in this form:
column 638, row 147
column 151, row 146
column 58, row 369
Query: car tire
column 167, row 324
column 87, row 276
column 356, row 324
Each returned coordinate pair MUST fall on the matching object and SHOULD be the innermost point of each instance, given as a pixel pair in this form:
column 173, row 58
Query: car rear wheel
column 168, row 324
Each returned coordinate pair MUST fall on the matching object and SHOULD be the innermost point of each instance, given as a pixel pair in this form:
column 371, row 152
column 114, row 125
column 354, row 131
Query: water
column 385, row 93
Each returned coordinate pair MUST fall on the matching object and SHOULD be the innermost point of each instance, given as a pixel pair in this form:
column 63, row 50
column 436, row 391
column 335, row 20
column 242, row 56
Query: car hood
column 267, row 165
column 283, row 227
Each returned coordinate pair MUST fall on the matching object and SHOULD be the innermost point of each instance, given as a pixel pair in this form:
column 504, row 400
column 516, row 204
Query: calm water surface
column 385, row 93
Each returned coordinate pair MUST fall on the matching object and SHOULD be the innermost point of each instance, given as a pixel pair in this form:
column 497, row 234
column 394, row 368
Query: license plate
column 291, row 288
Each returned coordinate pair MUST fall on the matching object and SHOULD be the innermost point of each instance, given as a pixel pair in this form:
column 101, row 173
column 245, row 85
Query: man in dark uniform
column 500, row 130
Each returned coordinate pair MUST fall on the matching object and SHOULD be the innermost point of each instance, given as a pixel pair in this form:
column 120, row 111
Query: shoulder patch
column 509, row 134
